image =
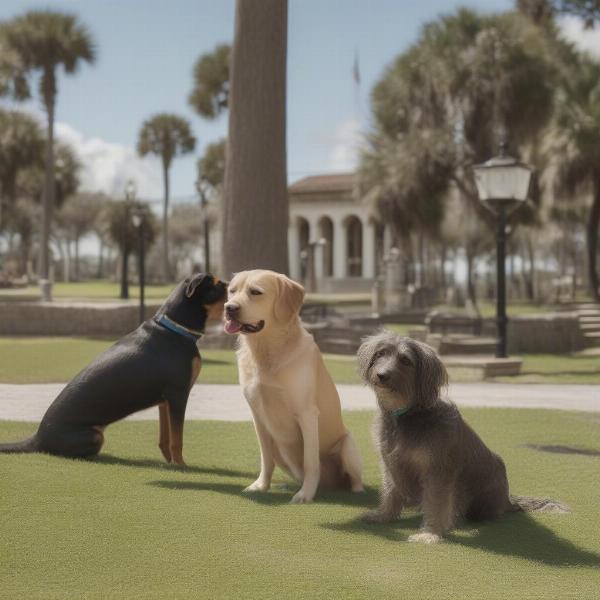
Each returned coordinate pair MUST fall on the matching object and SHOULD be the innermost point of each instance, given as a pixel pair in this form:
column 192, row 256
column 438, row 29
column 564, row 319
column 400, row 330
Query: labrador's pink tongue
column 232, row 326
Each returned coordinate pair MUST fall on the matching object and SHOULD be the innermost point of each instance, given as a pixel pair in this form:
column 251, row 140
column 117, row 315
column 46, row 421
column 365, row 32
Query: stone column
column 368, row 250
column 294, row 249
column 340, row 260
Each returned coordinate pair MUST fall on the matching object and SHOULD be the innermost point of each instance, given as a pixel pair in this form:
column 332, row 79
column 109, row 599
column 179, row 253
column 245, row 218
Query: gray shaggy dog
column 430, row 457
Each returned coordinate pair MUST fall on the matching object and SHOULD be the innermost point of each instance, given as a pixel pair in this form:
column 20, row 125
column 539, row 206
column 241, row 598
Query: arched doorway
column 354, row 234
column 326, row 234
column 303, row 240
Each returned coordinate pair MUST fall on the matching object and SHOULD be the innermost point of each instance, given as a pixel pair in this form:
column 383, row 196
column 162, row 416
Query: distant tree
column 211, row 166
column 186, row 230
column 210, row 94
column 42, row 41
column 166, row 136
column 21, row 147
column 124, row 235
column 25, row 215
column 255, row 203
column 77, row 217
column 445, row 103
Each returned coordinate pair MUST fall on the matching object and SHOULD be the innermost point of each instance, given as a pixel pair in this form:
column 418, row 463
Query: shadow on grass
column 558, row 449
column 147, row 463
column 281, row 494
column 516, row 535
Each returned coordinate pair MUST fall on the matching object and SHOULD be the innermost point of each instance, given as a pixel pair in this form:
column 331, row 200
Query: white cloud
column 107, row 166
column 345, row 141
column 584, row 39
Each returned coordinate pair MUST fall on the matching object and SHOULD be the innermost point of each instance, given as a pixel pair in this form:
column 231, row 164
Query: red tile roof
column 340, row 182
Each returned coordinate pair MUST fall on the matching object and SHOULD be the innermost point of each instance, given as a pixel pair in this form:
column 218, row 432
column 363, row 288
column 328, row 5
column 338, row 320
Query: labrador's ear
column 289, row 299
column 194, row 282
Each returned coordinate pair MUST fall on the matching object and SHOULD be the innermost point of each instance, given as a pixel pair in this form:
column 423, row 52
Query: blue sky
column 146, row 50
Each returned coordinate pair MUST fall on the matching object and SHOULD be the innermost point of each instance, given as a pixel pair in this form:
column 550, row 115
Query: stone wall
column 552, row 333
column 109, row 320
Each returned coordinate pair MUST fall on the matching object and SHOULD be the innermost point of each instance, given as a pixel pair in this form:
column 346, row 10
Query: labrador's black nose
column 231, row 309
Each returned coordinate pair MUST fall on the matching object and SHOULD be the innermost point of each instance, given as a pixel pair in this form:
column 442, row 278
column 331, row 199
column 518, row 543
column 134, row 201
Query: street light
column 503, row 186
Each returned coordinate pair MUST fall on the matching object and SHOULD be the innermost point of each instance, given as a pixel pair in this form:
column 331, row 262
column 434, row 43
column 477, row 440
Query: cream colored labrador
column 294, row 403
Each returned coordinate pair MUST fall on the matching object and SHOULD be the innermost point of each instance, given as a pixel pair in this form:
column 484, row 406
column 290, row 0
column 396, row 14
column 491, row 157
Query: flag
column 356, row 69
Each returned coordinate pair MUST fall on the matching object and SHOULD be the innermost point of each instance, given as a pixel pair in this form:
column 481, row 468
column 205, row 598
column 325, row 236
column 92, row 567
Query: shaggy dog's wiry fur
column 430, row 457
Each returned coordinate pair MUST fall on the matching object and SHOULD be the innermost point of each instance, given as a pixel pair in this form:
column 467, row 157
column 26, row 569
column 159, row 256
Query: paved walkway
column 226, row 403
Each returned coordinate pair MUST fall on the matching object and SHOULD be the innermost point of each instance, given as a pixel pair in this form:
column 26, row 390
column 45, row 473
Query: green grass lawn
column 128, row 526
column 55, row 359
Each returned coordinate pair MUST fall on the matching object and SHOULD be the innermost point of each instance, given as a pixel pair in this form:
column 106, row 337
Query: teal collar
column 400, row 412
column 171, row 325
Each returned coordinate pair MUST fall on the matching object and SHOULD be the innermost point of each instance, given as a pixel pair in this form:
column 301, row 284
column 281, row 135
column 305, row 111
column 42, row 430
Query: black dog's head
column 196, row 300
column 402, row 370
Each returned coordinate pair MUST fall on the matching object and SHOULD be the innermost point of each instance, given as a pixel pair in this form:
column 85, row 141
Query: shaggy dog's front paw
column 301, row 497
column 257, row 486
column 425, row 537
column 375, row 516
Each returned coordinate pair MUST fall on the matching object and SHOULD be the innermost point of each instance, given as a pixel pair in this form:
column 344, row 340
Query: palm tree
column 167, row 136
column 210, row 94
column 443, row 105
column 42, row 41
column 579, row 170
column 21, row 147
column 255, row 203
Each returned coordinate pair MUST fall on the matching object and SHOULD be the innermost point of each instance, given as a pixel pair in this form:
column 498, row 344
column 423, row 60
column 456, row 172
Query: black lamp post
column 503, row 186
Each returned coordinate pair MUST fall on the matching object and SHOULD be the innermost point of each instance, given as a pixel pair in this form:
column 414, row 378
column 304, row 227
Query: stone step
column 467, row 345
column 592, row 339
column 589, row 327
column 589, row 319
column 489, row 366
column 588, row 312
column 337, row 346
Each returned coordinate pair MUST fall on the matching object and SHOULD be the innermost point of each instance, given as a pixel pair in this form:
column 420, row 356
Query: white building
column 324, row 209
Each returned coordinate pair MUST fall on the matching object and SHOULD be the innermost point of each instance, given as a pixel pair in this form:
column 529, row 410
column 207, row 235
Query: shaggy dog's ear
column 430, row 375
column 289, row 299
column 194, row 282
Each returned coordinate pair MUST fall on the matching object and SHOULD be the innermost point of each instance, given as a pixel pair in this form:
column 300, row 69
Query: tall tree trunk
column 76, row 270
column 165, row 226
column 124, row 273
column 592, row 241
column 49, row 93
column 100, row 272
column 471, row 289
column 530, row 279
column 255, row 201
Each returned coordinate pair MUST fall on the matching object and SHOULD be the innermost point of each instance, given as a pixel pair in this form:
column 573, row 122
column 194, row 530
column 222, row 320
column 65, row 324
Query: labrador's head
column 258, row 300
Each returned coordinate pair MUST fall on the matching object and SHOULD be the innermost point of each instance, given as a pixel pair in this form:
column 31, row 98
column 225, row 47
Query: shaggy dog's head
column 403, row 372
column 258, row 300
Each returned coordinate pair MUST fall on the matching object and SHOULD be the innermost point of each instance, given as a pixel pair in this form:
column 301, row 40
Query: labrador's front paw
column 301, row 497
column 257, row 486
column 425, row 537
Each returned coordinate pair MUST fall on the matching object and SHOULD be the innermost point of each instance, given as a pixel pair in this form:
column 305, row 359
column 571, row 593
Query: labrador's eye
column 406, row 361
column 256, row 292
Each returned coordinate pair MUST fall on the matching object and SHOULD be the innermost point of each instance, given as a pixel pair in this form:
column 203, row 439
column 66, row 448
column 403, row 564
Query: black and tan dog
column 156, row 364
column 430, row 457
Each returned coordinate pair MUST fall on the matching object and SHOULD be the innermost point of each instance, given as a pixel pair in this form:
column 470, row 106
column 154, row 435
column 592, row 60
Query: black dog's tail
column 529, row 504
column 28, row 445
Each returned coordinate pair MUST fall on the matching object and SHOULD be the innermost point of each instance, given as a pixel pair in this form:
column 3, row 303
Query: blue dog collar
column 399, row 412
column 177, row 328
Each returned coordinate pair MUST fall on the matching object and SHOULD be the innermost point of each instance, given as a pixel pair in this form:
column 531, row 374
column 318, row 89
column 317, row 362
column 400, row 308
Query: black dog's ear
column 194, row 282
